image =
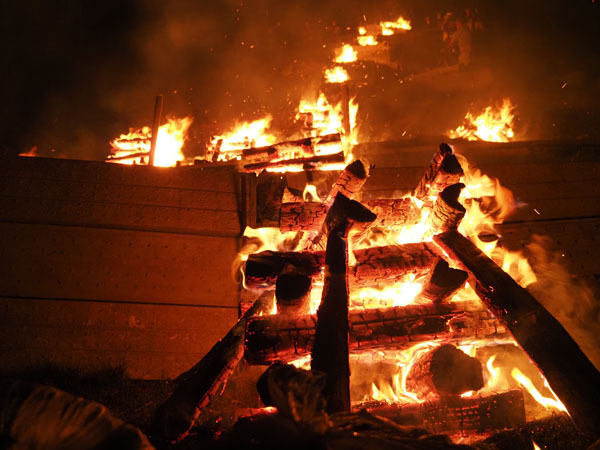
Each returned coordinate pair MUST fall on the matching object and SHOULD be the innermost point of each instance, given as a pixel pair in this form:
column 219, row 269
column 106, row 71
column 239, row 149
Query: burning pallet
column 439, row 381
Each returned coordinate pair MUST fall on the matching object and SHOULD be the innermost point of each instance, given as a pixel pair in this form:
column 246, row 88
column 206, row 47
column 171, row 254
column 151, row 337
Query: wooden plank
column 116, row 194
column 136, row 217
column 103, row 264
column 90, row 335
column 221, row 179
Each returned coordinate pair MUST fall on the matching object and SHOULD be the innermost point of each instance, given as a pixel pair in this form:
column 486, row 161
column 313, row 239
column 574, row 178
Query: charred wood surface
column 305, row 146
column 568, row 370
column 352, row 178
column 309, row 216
column 445, row 370
column 447, row 211
column 443, row 282
column 292, row 291
column 473, row 414
column 330, row 346
column 374, row 265
column 285, row 338
column 197, row 386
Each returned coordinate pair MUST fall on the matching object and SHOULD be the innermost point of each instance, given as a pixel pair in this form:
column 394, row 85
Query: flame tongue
column 493, row 125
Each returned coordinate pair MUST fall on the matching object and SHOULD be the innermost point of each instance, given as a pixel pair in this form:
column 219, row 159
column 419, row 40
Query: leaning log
column 374, row 265
column 196, row 387
column 570, row 373
column 329, row 354
column 349, row 182
column 309, row 163
column 443, row 371
column 286, row 338
column 443, row 171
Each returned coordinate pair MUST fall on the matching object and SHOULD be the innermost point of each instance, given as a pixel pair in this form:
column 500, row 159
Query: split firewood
column 292, row 291
column 443, row 282
column 447, row 211
column 308, row 163
column 329, row 354
column 309, row 216
column 196, row 387
column 446, row 370
column 569, row 372
column 493, row 412
column 286, row 338
column 349, row 182
column 374, row 265
column 443, row 171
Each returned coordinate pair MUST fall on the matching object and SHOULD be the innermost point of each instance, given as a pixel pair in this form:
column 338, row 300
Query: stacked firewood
column 329, row 336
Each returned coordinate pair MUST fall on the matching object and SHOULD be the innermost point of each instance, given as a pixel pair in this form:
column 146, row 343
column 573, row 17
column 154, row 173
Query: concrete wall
column 115, row 265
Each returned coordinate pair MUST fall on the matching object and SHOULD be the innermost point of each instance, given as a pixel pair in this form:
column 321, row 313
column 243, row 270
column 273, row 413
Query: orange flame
column 134, row 147
column 32, row 152
column 228, row 146
column 388, row 28
column 336, row 75
column 546, row 402
column 346, row 54
column 493, row 125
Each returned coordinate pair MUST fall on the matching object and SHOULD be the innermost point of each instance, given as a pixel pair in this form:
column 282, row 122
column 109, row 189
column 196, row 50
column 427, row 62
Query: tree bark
column 443, row 171
column 447, row 211
column 570, row 373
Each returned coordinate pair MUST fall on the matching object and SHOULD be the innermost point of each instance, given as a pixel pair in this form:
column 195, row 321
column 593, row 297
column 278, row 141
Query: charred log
column 473, row 414
column 443, row 282
column 330, row 348
column 292, row 291
column 196, row 387
column 349, row 182
column 443, row 171
column 286, row 338
column 568, row 370
column 374, row 265
column 305, row 146
column 309, row 216
column 445, row 370
column 447, row 211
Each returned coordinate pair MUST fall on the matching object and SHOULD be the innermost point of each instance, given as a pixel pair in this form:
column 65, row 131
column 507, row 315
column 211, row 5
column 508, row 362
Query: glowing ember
column 346, row 54
column 493, row 125
column 336, row 75
column 389, row 28
column 134, row 147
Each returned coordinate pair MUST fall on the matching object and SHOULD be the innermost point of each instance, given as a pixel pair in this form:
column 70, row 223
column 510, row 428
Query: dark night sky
column 77, row 73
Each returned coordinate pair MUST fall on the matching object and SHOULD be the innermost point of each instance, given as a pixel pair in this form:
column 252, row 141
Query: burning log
column 285, row 338
column 310, row 163
column 292, row 291
column 352, row 178
column 330, row 348
column 443, row 171
column 262, row 269
column 155, row 126
column 474, row 414
column 570, row 373
column 445, row 370
column 196, row 387
column 443, row 282
column 447, row 211
column 308, row 216
column 373, row 266
column 306, row 147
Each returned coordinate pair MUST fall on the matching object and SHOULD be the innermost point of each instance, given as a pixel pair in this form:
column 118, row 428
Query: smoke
column 79, row 74
column 567, row 298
